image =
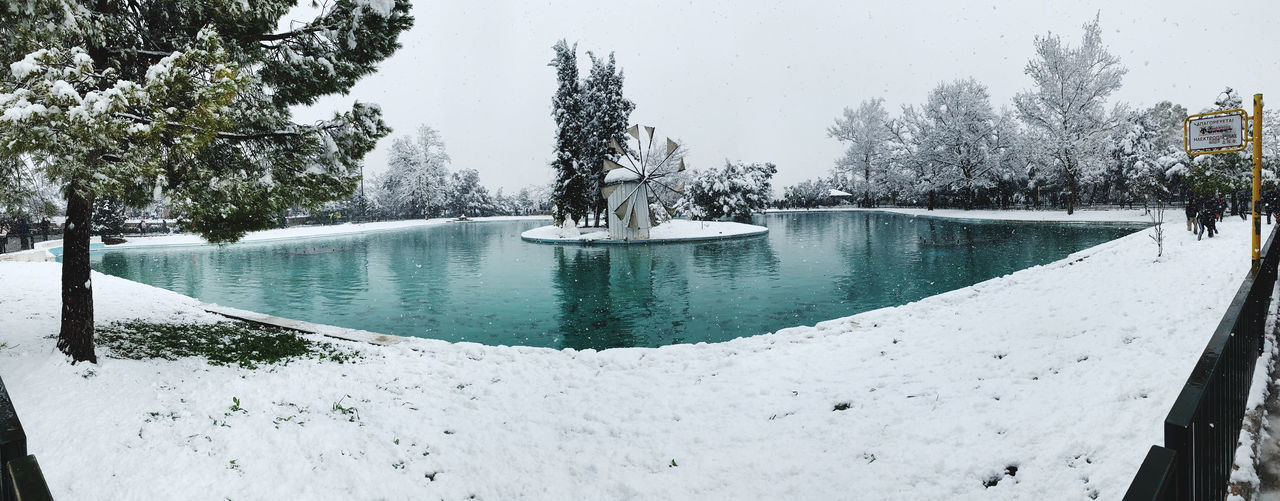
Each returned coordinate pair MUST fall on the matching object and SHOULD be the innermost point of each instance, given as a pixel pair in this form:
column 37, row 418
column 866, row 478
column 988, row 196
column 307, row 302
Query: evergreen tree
column 734, row 191
column 607, row 115
column 573, row 185
column 467, row 197
column 108, row 216
column 187, row 100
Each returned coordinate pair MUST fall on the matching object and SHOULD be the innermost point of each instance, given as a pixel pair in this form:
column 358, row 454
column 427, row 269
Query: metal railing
column 1202, row 428
column 20, row 476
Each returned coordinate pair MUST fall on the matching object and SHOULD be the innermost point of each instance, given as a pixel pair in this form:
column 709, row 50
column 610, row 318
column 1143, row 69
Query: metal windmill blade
column 630, row 184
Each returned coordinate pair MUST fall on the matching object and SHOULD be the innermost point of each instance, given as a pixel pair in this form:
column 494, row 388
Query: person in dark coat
column 44, row 228
column 1208, row 221
column 1192, row 208
column 24, row 235
column 1269, row 203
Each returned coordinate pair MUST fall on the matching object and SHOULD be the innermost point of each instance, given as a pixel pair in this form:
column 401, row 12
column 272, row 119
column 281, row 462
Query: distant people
column 1208, row 221
column 164, row 225
column 1220, row 206
column 44, row 228
column 1192, row 209
column 4, row 236
column 24, row 235
column 142, row 226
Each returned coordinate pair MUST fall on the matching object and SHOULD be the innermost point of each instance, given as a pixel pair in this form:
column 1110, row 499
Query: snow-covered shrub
column 734, row 191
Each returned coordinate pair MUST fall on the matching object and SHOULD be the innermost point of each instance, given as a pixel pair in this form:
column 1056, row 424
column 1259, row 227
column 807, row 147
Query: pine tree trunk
column 76, row 337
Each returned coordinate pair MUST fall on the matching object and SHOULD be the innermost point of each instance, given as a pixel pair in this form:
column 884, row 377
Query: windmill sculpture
column 629, row 188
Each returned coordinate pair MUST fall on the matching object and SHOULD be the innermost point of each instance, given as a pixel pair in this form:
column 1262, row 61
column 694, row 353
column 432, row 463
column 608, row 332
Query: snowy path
column 1064, row 371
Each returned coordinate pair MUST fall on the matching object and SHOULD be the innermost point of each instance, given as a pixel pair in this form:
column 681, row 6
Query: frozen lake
column 480, row 282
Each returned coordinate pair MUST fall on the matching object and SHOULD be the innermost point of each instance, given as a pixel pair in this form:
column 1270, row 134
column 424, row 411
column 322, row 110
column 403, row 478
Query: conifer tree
column 572, row 187
column 607, row 115
column 186, row 101
column 108, row 216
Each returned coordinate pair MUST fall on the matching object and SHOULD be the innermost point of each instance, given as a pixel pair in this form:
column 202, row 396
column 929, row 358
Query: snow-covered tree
column 606, row 117
column 808, row 193
column 572, row 195
column 189, row 100
column 108, row 216
column 1066, row 109
column 467, row 197
column 734, row 191
column 960, row 138
column 1143, row 154
column 24, row 193
column 415, row 184
column 504, row 205
column 866, row 130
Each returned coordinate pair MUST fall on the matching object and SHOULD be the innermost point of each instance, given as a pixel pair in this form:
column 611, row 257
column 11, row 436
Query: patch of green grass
column 222, row 343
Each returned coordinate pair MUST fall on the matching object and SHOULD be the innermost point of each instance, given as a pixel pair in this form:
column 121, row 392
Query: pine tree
column 186, row 100
column 572, row 188
column 467, row 197
column 108, row 217
column 607, row 114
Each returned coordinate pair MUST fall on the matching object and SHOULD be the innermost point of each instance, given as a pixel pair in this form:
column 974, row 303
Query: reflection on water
column 479, row 282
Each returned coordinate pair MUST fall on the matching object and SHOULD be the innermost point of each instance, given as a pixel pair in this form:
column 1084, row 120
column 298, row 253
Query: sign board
column 1217, row 132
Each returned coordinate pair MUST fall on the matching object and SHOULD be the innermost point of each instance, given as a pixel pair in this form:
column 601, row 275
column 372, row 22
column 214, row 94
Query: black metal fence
column 1202, row 428
column 20, row 476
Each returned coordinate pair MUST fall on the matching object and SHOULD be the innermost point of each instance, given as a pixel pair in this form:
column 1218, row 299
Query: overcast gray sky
column 762, row 80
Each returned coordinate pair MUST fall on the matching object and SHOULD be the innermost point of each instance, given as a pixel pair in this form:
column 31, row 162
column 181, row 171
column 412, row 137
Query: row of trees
column 1058, row 145
column 418, row 184
column 589, row 113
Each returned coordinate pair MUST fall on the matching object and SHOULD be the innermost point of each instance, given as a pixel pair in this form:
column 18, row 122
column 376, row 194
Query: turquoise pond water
column 480, row 282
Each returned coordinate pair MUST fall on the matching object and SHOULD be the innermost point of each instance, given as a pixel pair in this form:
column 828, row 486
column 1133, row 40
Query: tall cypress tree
column 607, row 113
column 187, row 101
column 572, row 188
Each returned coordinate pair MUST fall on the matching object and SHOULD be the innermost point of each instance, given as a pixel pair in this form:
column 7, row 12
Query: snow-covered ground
column 295, row 232
column 675, row 230
column 1171, row 214
column 1064, row 372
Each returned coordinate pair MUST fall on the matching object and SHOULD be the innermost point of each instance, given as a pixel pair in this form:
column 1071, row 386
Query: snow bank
column 1171, row 214
column 675, row 230
column 296, row 232
column 1064, row 371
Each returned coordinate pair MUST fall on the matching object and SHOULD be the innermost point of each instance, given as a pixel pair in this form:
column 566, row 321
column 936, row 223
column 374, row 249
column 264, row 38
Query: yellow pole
column 1257, row 175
